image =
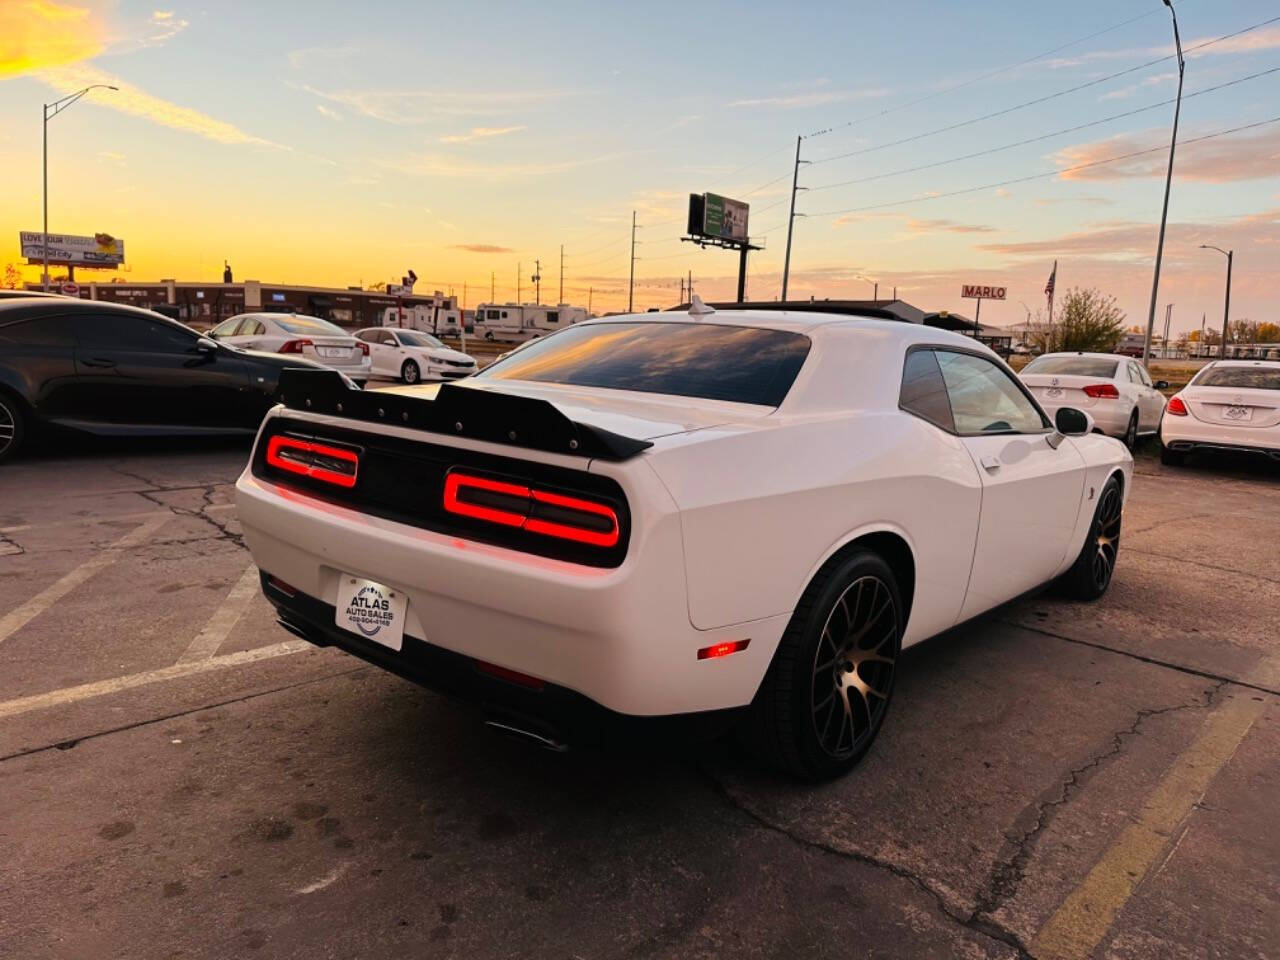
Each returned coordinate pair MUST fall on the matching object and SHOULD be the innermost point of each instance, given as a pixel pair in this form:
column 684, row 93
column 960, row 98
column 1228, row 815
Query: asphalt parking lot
column 181, row 778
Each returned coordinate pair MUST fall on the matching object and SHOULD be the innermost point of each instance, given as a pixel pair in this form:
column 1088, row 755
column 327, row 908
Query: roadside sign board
column 976, row 292
column 101, row 250
column 399, row 290
column 725, row 218
column 70, row 289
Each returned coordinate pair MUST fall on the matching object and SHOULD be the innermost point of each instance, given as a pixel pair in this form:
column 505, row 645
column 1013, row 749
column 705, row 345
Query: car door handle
column 990, row 464
column 98, row 362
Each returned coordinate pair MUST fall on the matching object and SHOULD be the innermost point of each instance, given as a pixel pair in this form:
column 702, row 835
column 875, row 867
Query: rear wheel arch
column 892, row 547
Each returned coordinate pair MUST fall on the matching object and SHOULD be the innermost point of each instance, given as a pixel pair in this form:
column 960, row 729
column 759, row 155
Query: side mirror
column 205, row 345
column 1161, row 384
column 1072, row 422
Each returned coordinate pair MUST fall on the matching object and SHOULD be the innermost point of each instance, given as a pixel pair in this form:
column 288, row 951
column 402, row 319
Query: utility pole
column 561, row 300
column 537, row 281
column 631, row 284
column 491, row 288
column 876, row 292
column 590, row 293
column 1200, row 344
column 1168, row 315
column 791, row 219
column 1226, row 308
column 519, row 271
column 690, row 287
column 1168, row 180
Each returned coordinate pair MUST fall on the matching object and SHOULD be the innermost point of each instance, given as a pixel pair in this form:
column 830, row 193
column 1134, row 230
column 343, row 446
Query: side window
column 985, row 399
column 367, row 336
column 120, row 332
column 553, row 316
column 225, row 329
column 254, row 328
column 924, row 392
column 388, row 340
column 1142, row 374
column 40, row 332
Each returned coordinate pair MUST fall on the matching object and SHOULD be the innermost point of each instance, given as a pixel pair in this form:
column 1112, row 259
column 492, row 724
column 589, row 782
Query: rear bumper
column 547, row 714
column 1109, row 416
column 1188, row 434
column 620, row 637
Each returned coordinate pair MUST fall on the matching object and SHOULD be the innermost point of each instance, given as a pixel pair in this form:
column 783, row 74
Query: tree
column 1244, row 331
column 1088, row 321
column 12, row 277
column 1268, row 332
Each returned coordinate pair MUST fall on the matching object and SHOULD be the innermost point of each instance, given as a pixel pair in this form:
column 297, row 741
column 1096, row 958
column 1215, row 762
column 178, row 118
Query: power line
column 980, row 78
column 1038, row 100
column 1043, row 136
column 587, row 253
column 1042, row 176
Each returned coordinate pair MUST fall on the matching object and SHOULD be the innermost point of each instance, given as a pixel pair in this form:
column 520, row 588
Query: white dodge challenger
column 713, row 518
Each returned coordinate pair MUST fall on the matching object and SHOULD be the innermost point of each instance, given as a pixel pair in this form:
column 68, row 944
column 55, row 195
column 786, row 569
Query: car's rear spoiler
column 459, row 411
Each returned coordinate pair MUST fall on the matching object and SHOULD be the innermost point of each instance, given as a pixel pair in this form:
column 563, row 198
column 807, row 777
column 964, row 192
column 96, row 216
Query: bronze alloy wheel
column 853, row 667
column 1106, row 537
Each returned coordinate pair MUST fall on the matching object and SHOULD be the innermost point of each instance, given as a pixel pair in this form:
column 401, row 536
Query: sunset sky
column 339, row 144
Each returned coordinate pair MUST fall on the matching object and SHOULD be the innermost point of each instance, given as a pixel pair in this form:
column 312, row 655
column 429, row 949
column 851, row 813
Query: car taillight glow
column 294, row 346
column 319, row 461
column 535, row 511
column 1105, row 391
column 1176, row 407
column 722, row 649
column 364, row 347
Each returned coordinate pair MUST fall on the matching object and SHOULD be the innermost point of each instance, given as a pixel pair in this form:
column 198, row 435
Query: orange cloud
column 38, row 34
column 480, row 133
column 1247, row 157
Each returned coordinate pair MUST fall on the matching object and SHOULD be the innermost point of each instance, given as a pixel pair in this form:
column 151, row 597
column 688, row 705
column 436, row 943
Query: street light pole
column 50, row 111
column 1164, row 214
column 1226, row 308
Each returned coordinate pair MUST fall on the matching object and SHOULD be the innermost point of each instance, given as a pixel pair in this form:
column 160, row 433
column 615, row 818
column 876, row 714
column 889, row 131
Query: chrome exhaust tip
column 527, row 735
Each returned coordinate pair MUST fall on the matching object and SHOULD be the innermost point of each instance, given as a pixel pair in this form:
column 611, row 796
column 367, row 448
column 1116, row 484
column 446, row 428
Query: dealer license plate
column 1238, row 413
column 1053, row 393
column 334, row 353
column 371, row 610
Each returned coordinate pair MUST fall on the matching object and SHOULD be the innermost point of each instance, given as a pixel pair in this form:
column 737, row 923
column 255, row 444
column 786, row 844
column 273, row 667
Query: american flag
column 1048, row 287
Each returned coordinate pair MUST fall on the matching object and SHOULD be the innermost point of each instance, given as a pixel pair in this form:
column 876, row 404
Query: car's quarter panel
column 620, row 636
column 1030, row 505
column 763, row 505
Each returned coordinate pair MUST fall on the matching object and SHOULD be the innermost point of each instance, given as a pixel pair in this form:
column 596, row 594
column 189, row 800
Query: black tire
column 11, row 426
column 1131, row 432
column 1090, row 576
column 1170, row 457
column 488, row 335
column 823, row 672
column 410, row 372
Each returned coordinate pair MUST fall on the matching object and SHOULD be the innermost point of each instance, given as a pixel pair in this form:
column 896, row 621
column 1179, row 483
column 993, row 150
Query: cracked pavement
column 296, row 803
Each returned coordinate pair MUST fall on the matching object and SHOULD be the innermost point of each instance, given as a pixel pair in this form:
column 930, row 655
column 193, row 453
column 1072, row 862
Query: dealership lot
column 179, row 777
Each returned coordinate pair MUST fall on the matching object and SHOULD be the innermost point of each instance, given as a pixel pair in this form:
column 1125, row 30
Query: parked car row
column 1116, row 391
column 109, row 369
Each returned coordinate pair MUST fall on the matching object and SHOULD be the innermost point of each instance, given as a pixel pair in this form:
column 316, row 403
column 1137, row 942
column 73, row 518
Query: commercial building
column 205, row 304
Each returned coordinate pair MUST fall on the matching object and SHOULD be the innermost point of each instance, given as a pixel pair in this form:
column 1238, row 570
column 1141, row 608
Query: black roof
column 26, row 308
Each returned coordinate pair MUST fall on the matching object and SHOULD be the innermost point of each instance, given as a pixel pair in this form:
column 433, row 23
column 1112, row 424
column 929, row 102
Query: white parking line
column 88, row 521
column 86, row 691
column 16, row 619
column 224, row 619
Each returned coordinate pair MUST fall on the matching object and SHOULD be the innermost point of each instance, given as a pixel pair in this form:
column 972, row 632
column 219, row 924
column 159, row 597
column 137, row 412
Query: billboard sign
column 725, row 218
column 976, row 292
column 717, row 217
column 399, row 290
column 101, row 250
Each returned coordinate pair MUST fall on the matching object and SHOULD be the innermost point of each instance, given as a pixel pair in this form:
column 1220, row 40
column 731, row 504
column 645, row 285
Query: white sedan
column 1228, row 405
column 411, row 355
column 1116, row 391
column 714, row 518
column 309, row 337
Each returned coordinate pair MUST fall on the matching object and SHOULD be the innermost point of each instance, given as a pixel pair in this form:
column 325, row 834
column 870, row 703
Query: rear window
column 709, row 361
column 1073, row 366
column 310, row 325
column 1253, row 378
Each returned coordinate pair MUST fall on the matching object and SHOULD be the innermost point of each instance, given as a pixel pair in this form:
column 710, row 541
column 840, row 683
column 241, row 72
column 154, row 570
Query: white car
column 707, row 517
column 1116, row 391
column 309, row 337
column 411, row 355
column 1228, row 405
